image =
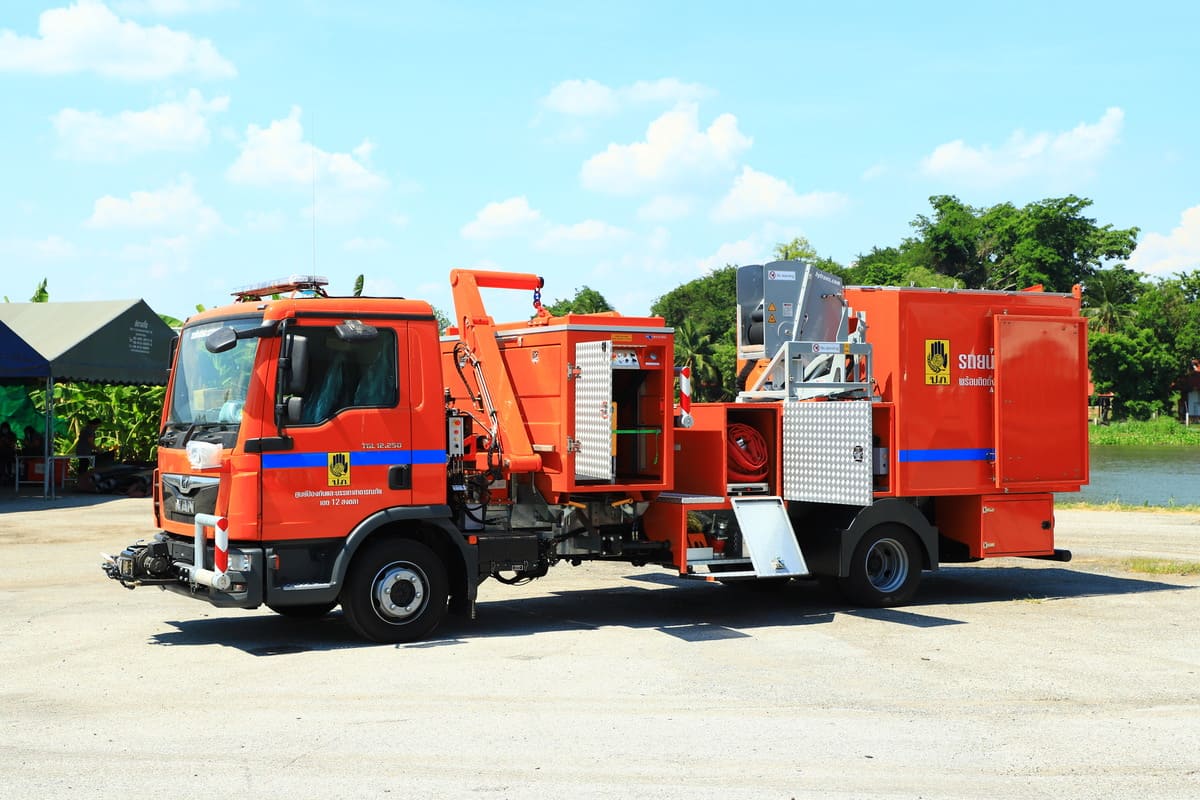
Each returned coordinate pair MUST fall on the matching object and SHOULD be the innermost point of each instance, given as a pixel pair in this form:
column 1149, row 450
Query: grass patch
column 1148, row 433
column 1117, row 505
column 1156, row 566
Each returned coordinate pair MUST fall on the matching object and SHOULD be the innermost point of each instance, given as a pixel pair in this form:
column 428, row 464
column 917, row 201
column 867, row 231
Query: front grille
column 185, row 496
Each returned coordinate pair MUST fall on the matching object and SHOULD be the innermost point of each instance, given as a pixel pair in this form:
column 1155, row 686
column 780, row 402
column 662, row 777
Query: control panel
column 625, row 358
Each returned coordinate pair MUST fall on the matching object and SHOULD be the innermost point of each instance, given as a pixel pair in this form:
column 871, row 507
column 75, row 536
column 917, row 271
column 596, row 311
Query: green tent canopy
column 106, row 341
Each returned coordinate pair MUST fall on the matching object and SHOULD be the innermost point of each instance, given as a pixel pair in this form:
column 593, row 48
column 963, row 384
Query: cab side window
column 346, row 375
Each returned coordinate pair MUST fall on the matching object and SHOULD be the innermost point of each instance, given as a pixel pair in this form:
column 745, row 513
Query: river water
column 1157, row 476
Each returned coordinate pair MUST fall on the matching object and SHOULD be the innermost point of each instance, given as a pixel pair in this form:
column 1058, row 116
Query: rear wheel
column 886, row 568
column 396, row 591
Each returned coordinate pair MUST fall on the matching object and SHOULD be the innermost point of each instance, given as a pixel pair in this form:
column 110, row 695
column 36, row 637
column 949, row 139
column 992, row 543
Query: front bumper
column 168, row 562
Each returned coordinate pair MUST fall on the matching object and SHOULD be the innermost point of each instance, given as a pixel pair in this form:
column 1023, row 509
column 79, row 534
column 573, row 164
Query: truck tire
column 885, row 569
column 396, row 591
column 307, row 611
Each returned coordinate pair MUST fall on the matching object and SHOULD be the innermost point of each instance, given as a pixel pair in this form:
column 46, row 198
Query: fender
column 436, row 515
column 889, row 510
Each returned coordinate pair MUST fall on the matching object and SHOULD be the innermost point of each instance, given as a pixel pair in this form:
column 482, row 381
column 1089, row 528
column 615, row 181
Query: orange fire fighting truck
column 318, row 450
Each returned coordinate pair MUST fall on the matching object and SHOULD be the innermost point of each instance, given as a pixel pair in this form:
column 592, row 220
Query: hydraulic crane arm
column 478, row 332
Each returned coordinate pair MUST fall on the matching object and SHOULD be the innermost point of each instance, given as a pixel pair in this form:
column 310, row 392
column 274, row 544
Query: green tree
column 1049, row 242
column 707, row 306
column 42, row 293
column 952, row 240
column 130, row 414
column 443, row 319
column 586, row 301
column 896, row 266
column 1109, row 296
column 697, row 348
column 1137, row 368
column 1170, row 310
column 710, row 303
column 798, row 249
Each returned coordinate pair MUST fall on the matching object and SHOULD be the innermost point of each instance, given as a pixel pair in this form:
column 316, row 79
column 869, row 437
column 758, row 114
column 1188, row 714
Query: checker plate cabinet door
column 1041, row 403
column 593, row 411
column 827, row 452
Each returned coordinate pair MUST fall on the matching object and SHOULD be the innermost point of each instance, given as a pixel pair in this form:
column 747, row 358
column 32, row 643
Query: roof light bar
column 305, row 285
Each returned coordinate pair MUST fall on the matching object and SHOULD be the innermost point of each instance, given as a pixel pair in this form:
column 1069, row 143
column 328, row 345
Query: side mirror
column 220, row 340
column 297, row 366
column 292, row 412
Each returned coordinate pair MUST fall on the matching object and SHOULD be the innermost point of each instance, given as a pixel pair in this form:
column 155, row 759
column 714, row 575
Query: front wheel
column 886, row 568
column 396, row 591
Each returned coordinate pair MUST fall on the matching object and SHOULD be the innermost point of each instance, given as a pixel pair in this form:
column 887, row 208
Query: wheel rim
column 399, row 592
column 887, row 565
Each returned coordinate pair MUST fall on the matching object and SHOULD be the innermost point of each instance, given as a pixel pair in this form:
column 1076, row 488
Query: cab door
column 348, row 446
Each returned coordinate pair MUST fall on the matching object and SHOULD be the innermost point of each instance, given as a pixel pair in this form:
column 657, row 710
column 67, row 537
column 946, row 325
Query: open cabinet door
column 593, row 411
column 1040, row 402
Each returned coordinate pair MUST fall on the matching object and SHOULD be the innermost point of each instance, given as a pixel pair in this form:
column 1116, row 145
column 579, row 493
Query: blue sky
column 175, row 150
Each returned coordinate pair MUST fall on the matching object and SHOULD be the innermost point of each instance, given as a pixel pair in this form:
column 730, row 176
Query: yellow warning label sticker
column 771, row 320
column 339, row 469
column 937, row 362
column 622, row 337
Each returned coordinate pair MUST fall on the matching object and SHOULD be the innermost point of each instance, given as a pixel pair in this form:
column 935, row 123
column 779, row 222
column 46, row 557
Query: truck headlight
column 239, row 562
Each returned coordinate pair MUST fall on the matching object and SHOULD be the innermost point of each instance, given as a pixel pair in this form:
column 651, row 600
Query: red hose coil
column 747, row 454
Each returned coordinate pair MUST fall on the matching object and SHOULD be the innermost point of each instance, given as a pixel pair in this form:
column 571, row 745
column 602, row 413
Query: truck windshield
column 210, row 388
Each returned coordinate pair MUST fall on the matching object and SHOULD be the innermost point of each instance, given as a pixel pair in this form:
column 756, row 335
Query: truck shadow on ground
column 691, row 611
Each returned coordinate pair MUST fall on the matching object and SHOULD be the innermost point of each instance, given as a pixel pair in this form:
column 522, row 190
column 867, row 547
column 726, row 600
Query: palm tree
column 1108, row 297
column 696, row 348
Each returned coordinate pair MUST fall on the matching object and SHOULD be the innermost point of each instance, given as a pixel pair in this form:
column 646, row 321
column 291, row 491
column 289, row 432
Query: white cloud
column 173, row 8
column 360, row 244
column 178, row 125
column 666, row 208
column 757, row 194
column 509, row 217
column 88, row 37
column 590, row 232
column 1178, row 251
column 175, row 207
column 756, row 248
column 592, row 98
column 265, row 221
column 51, row 248
column 1072, row 152
column 874, row 171
column 674, row 148
column 751, row 250
column 581, row 98
column 163, row 256
column 278, row 155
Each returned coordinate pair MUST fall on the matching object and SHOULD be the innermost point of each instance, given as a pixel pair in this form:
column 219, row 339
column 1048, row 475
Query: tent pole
column 48, row 441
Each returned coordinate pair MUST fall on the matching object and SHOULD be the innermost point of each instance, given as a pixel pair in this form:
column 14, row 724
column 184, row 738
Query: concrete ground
column 1013, row 678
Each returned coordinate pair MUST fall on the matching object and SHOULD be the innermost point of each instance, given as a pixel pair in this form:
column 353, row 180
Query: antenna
column 312, row 158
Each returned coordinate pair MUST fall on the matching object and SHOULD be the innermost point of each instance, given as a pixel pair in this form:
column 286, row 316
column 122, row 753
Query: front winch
column 142, row 563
